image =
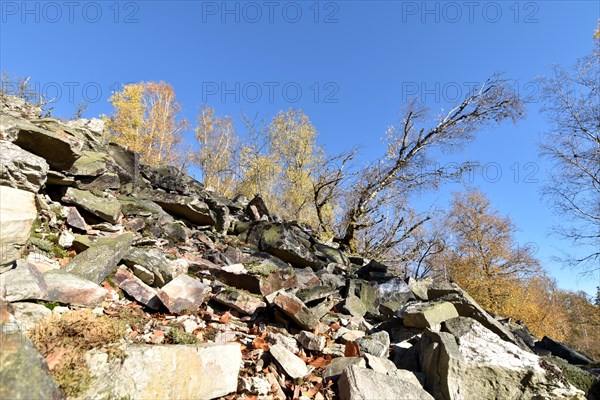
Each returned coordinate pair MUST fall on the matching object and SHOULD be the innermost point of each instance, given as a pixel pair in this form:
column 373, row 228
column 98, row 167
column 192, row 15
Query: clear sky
column 349, row 65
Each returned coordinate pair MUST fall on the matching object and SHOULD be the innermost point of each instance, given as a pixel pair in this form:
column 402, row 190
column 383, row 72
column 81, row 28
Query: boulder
column 293, row 366
column 358, row 383
column 561, row 350
column 17, row 215
column 294, row 308
column 17, row 107
column 24, row 282
column 204, row 371
column 428, row 315
column 362, row 297
column 101, row 259
column 137, row 289
column 376, row 344
column 20, row 169
column 67, row 288
column 473, row 362
column 310, row 341
column 24, row 372
column 240, row 300
column 163, row 269
column 106, row 208
column 183, row 293
column 282, row 242
column 337, row 366
column 59, row 149
column 191, row 208
column 28, row 315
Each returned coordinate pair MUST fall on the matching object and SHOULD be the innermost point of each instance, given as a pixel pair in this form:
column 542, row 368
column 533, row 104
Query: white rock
column 293, row 366
column 17, row 214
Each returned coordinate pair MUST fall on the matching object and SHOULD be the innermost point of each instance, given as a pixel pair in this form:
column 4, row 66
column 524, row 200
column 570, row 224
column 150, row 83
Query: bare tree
column 572, row 106
column 383, row 188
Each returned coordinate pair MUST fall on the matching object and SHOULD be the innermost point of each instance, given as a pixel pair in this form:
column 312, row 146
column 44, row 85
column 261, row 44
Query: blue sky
column 349, row 65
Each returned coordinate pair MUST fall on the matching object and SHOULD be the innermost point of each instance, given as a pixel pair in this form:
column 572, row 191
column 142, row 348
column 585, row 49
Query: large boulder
column 358, row 383
column 284, row 242
column 468, row 361
column 204, row 371
column 20, row 169
column 563, row 351
column 17, row 215
column 101, row 259
column 191, row 208
column 24, row 372
column 428, row 315
column 106, row 208
column 17, row 107
column 59, row 149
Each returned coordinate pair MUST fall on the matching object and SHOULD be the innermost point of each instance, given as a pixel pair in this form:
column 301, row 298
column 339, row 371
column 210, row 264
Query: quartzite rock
column 428, row 315
column 24, row 282
column 293, row 366
column 296, row 310
column 241, row 301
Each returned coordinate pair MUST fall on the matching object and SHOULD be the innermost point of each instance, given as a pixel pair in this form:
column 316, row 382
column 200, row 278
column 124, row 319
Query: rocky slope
column 213, row 298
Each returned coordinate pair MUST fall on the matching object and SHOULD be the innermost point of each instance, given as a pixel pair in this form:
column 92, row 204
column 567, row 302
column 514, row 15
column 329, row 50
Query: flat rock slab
column 293, row 366
column 23, row 371
column 339, row 364
column 60, row 150
column 25, row 282
column 360, row 383
column 67, row 288
column 101, row 259
column 296, row 310
column 205, row 371
column 428, row 315
column 17, row 214
column 310, row 341
column 107, row 209
column 133, row 286
column 183, row 293
column 194, row 210
column 240, row 300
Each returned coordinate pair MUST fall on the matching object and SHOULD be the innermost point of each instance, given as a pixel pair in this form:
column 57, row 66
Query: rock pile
column 218, row 298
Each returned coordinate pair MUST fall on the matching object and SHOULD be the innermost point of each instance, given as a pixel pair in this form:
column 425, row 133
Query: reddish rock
column 183, row 293
column 137, row 289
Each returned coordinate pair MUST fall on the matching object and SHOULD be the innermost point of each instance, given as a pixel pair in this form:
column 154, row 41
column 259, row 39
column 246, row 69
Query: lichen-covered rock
column 428, row 315
column 240, row 300
column 106, row 208
column 24, row 373
column 101, row 259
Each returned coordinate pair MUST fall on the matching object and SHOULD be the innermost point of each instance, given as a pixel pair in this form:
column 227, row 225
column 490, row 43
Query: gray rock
column 60, row 150
column 75, row 219
column 20, row 169
column 310, row 341
column 28, row 315
column 477, row 363
column 240, row 300
column 23, row 370
column 339, row 364
column 92, row 163
column 563, row 351
column 293, row 366
column 204, row 371
column 17, row 215
column 154, row 261
column 367, row 293
column 24, row 282
column 296, row 310
column 67, row 288
column 376, row 344
column 379, row 364
column 428, row 315
column 17, row 107
column 193, row 209
column 137, row 289
column 420, row 287
column 358, row 383
column 183, row 293
column 284, row 243
column 101, row 259
column 105, row 208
